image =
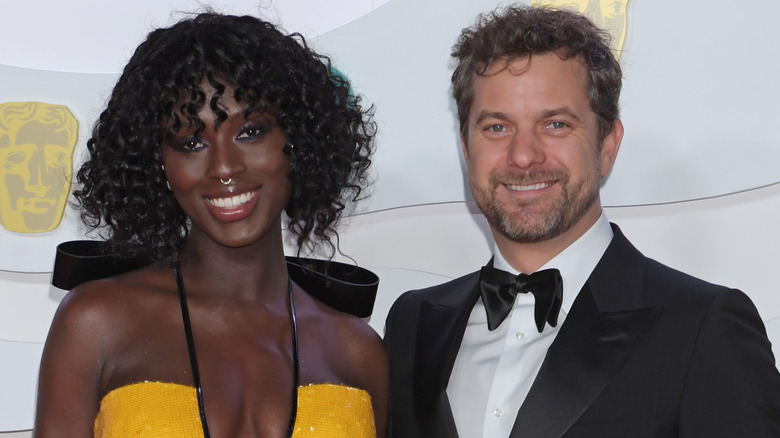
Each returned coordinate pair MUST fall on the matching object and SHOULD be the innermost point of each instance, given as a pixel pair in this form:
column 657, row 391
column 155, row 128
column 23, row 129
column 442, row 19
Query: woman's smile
column 232, row 202
column 233, row 208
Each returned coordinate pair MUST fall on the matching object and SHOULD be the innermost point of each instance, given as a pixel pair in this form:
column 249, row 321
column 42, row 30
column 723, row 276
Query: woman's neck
column 256, row 271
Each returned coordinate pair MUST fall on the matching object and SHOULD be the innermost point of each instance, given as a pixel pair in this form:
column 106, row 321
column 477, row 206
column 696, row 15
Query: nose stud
column 229, row 180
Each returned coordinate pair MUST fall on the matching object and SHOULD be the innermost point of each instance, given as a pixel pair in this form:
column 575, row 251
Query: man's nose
column 525, row 150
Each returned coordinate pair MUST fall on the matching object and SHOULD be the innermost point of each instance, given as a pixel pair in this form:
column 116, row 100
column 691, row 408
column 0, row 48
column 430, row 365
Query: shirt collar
column 575, row 263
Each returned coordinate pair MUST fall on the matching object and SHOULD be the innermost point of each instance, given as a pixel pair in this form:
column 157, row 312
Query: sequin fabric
column 163, row 410
column 334, row 411
column 149, row 409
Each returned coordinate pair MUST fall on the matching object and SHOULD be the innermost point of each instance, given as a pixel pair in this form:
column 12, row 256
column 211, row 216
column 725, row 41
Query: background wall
column 696, row 185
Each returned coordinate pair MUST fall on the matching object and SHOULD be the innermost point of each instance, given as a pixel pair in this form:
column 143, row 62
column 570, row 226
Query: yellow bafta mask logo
column 609, row 15
column 36, row 164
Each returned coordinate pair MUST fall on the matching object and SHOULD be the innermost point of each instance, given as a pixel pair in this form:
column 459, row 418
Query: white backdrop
column 696, row 184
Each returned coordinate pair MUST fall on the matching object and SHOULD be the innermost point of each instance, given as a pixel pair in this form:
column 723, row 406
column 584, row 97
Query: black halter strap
column 296, row 367
column 185, row 314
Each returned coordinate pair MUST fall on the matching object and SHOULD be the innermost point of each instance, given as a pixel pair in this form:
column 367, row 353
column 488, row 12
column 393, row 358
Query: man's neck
column 529, row 257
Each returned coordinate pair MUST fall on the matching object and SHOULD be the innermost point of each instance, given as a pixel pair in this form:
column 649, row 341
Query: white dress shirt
column 493, row 371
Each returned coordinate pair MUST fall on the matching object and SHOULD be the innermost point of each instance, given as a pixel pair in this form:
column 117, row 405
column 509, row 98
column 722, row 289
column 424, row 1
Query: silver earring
column 292, row 146
column 229, row 180
column 167, row 183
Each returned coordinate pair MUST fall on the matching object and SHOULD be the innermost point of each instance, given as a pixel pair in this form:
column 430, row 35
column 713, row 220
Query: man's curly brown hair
column 514, row 32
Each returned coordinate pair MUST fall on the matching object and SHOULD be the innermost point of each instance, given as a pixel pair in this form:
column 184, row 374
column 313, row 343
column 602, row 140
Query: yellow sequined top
column 161, row 410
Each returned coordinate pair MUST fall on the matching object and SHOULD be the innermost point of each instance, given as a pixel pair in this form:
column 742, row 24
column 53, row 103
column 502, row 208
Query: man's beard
column 538, row 220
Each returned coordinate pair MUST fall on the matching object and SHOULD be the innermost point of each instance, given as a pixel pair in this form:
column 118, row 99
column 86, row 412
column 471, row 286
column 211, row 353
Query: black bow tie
column 499, row 288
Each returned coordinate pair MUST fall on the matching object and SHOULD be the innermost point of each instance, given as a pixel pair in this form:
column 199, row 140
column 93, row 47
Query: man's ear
column 464, row 146
column 610, row 146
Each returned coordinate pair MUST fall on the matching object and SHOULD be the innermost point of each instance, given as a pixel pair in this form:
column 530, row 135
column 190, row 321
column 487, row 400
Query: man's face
column 609, row 15
column 533, row 154
column 35, row 170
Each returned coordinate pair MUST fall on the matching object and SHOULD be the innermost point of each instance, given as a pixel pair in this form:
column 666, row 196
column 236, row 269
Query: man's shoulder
column 679, row 292
column 454, row 295
column 654, row 274
column 439, row 291
column 661, row 275
column 624, row 268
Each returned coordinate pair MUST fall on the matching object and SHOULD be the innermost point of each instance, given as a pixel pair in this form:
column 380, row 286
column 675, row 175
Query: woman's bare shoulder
column 355, row 347
column 91, row 331
column 358, row 354
column 340, row 326
column 98, row 304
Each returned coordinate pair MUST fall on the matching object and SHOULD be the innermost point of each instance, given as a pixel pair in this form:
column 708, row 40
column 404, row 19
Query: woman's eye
column 253, row 131
column 189, row 144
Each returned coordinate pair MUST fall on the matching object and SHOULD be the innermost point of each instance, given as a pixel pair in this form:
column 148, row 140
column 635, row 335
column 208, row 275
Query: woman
column 216, row 126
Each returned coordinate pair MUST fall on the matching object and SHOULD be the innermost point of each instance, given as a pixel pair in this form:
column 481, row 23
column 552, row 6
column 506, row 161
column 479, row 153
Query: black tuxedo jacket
column 646, row 351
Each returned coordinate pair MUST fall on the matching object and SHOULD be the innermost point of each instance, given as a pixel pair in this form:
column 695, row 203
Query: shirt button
column 497, row 412
column 520, row 336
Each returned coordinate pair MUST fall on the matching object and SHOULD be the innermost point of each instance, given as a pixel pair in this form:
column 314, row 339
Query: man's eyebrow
column 490, row 115
column 561, row 111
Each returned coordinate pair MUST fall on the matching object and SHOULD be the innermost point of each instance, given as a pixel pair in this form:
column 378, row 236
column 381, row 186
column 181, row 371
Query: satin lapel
column 439, row 333
column 594, row 343
column 586, row 354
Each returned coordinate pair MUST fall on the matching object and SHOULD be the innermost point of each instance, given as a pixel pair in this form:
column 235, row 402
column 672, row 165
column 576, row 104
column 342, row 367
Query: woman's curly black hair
column 122, row 186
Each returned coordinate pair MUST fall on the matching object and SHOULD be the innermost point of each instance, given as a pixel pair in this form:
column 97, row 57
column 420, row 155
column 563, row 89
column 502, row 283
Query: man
column 637, row 348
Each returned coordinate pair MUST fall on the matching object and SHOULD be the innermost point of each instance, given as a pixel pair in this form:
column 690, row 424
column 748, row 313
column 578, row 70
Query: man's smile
column 529, row 187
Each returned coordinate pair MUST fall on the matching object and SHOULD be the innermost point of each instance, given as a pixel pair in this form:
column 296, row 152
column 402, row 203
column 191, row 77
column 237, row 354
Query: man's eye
column 253, row 132
column 496, row 128
column 557, row 125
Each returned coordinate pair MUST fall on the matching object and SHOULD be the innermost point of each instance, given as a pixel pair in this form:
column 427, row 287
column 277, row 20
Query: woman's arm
column 369, row 358
column 69, row 379
column 377, row 364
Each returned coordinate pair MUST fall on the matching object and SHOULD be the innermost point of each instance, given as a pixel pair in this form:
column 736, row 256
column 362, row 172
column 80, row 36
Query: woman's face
column 232, row 180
